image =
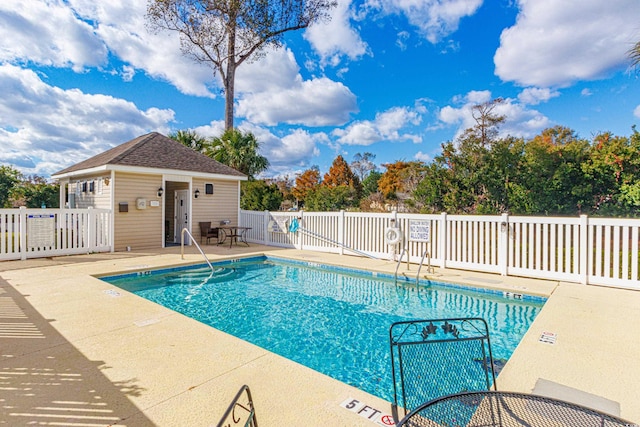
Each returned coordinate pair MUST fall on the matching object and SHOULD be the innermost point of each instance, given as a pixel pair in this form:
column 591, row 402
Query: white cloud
column 586, row 92
column 31, row 31
column 80, row 34
column 127, row 73
column 213, row 129
column 121, row 24
column 401, row 40
column 556, row 43
column 435, row 19
column 336, row 37
column 274, row 92
column 520, row 121
column 387, row 126
column 297, row 148
column 423, row 157
column 534, row 96
column 268, row 91
column 59, row 127
column 277, row 70
column 636, row 112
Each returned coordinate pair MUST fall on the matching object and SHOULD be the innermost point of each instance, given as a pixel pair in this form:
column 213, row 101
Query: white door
column 181, row 213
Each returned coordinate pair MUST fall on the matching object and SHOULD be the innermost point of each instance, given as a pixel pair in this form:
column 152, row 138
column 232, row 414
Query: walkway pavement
column 76, row 351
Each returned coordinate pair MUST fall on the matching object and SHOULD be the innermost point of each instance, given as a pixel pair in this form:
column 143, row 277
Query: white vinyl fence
column 599, row 251
column 34, row 233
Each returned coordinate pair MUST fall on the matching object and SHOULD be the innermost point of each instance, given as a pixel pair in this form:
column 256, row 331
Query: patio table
column 232, row 233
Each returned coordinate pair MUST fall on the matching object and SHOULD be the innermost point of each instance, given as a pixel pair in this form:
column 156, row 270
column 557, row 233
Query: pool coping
column 426, row 282
column 185, row 373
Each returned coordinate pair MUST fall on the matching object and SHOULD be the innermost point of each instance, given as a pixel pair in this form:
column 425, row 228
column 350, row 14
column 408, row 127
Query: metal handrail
column 400, row 262
column 342, row 245
column 184, row 230
column 429, row 268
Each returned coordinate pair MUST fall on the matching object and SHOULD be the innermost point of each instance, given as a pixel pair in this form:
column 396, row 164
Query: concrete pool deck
column 77, row 351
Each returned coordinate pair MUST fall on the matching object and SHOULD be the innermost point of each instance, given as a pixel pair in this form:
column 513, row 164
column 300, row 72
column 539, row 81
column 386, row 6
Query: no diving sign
column 366, row 411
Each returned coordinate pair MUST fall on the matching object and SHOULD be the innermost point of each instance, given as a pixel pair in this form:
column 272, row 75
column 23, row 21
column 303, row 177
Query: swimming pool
column 333, row 320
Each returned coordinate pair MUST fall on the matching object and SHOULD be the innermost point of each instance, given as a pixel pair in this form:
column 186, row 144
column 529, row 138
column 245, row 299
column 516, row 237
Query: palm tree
column 239, row 150
column 190, row 138
column 634, row 54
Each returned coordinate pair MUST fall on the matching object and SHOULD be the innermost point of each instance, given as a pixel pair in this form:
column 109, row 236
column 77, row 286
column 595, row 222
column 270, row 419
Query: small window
column 84, row 187
column 208, row 189
column 92, row 187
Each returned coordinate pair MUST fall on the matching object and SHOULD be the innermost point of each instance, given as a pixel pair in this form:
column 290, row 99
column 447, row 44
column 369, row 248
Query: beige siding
column 137, row 228
column 98, row 198
column 222, row 204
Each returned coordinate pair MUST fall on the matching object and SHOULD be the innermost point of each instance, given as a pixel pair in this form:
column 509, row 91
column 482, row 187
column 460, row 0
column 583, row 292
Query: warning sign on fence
column 278, row 224
column 419, row 231
column 41, row 231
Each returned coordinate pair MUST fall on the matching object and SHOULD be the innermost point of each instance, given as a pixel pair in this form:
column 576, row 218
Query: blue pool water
column 334, row 321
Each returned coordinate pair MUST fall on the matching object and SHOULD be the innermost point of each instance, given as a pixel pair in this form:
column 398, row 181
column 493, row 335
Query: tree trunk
column 229, row 95
column 229, row 89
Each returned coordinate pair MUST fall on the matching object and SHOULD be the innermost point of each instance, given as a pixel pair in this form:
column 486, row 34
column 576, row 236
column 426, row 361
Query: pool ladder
column 184, row 230
column 425, row 254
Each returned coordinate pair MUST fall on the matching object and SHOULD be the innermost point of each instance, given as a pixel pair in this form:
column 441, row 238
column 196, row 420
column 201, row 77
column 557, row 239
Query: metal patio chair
column 437, row 357
column 506, row 409
column 241, row 411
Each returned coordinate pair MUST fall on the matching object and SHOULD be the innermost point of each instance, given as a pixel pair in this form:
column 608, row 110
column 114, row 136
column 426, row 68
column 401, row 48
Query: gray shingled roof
column 155, row 150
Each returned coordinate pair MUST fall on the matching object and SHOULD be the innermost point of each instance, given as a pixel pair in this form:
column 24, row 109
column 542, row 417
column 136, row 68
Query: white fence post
column 442, row 240
column 23, row 233
column 265, row 228
column 503, row 248
column 341, row 232
column 299, row 244
column 91, row 230
column 583, row 247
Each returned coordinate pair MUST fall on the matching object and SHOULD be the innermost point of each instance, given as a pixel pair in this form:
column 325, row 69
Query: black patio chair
column 506, row 409
column 437, row 357
column 241, row 411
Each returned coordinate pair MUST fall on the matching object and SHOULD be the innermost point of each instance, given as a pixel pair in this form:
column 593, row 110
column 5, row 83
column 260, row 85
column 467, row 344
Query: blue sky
column 395, row 78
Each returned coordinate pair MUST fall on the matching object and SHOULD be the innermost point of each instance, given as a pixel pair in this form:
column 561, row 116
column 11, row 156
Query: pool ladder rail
column 425, row 254
column 184, row 230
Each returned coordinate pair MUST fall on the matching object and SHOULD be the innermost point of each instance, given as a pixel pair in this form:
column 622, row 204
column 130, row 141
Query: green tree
column 258, row 196
column 325, row 199
column 370, row 183
column 552, row 170
column 285, row 185
column 35, row 192
column 431, row 190
column 611, row 172
column 239, row 150
column 8, row 179
column 225, row 34
column 190, row 138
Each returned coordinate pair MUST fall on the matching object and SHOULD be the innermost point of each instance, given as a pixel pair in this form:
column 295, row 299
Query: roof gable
column 156, row 151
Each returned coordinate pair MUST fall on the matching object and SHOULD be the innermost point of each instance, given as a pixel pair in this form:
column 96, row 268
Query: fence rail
column 598, row 251
column 35, row 233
